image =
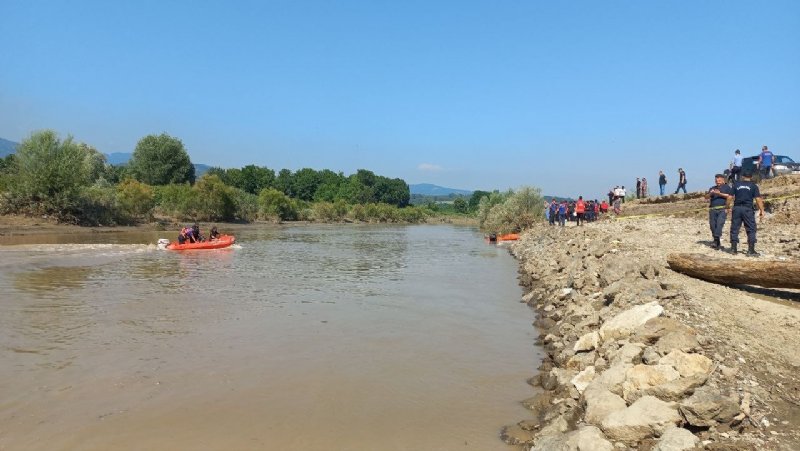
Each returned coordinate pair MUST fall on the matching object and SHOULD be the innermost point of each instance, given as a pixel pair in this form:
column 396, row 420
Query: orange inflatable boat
column 221, row 242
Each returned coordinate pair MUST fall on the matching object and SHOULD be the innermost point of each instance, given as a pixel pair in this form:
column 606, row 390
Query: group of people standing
column 736, row 198
column 662, row 182
column 580, row 211
column 765, row 162
column 641, row 188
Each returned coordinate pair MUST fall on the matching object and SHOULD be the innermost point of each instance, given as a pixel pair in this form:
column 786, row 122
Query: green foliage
column 475, row 199
column 213, row 200
column 250, row 179
column 274, row 204
column 97, row 205
column 246, row 205
column 47, row 175
column 512, row 211
column 460, row 205
column 175, row 201
column 135, row 200
column 161, row 160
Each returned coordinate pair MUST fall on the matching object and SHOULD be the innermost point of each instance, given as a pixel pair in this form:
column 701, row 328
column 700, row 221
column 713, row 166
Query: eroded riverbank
column 641, row 357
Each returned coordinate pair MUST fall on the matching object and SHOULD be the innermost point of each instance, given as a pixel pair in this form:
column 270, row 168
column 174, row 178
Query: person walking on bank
column 662, row 182
column 719, row 195
column 638, row 188
column 744, row 192
column 681, row 181
column 736, row 166
column 644, row 188
column 765, row 162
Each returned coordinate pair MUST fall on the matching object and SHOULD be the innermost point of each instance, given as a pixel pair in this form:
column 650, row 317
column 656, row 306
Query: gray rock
column 647, row 417
column 628, row 353
column 623, row 324
column 600, row 403
column 677, row 389
column 587, row 342
column 707, row 406
column 687, row 364
column 586, row 438
column 515, row 435
column 677, row 339
column 655, row 328
column 582, row 379
column 676, row 439
column 650, row 356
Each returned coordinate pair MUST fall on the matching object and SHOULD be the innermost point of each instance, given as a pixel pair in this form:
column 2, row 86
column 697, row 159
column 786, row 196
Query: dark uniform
column 744, row 193
column 717, row 214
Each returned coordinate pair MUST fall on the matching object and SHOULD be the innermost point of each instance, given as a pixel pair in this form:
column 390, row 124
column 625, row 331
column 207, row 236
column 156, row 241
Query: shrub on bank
column 518, row 211
column 135, row 200
column 275, row 205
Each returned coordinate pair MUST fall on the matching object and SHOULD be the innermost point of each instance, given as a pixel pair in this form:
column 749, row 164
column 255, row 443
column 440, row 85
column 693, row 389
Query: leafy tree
column 305, row 183
column 460, row 205
column 161, row 160
column 284, row 182
column 255, row 179
column 475, row 199
column 48, row 174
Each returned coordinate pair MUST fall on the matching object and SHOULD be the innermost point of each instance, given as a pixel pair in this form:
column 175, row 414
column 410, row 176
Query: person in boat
column 214, row 235
column 186, row 236
column 197, row 237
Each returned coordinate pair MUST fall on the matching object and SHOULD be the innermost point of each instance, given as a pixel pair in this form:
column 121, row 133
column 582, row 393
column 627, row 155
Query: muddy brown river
column 299, row 338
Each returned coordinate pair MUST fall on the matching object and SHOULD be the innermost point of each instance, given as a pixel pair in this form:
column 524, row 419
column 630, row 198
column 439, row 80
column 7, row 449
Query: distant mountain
column 7, row 147
column 427, row 189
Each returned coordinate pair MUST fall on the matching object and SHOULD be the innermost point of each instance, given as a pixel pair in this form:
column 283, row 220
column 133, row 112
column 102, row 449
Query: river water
column 299, row 338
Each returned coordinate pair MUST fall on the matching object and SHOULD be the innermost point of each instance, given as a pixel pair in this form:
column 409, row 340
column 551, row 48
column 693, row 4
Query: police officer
column 744, row 192
column 719, row 195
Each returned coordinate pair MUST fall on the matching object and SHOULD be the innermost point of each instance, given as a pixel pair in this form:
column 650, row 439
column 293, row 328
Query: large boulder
column 707, row 406
column 676, row 439
column 583, row 379
column 687, row 364
column 622, row 325
column 656, row 328
column 587, row 342
column 557, row 377
column 613, row 378
column 677, row 389
column 643, row 377
column 586, row 438
column 628, row 353
column 647, row 417
column 600, row 403
column 678, row 339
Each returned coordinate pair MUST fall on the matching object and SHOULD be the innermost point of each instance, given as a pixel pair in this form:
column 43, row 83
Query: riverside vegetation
column 72, row 182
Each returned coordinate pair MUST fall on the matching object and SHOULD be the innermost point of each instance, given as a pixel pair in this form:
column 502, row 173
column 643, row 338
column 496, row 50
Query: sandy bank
column 641, row 357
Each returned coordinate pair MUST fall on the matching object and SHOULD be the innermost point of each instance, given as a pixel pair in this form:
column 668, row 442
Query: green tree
column 460, row 205
column 161, row 160
column 47, row 174
column 284, row 182
column 305, row 184
column 475, row 199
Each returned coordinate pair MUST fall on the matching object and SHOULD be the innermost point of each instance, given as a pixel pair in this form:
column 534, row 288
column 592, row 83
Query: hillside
column 7, row 147
column 428, row 189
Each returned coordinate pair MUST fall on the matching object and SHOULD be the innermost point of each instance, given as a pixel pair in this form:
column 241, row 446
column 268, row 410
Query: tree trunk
column 764, row 273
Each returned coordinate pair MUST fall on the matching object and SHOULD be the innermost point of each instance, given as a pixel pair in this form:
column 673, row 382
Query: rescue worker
column 736, row 166
column 186, row 235
column 214, row 235
column 580, row 210
column 718, row 195
column 197, row 237
column 744, row 192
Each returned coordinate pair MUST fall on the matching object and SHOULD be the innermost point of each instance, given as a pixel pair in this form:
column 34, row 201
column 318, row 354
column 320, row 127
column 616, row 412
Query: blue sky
column 572, row 97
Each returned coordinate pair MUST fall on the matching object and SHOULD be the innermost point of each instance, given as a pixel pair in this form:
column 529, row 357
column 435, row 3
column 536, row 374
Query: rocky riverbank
column 641, row 357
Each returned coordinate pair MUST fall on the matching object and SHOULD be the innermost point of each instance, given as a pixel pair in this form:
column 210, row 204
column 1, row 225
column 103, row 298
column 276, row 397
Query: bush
column 213, row 200
column 135, row 199
column 515, row 213
column 97, row 205
column 175, row 200
column 246, row 205
column 273, row 204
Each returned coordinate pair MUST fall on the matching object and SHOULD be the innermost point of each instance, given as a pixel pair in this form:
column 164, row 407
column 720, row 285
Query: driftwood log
column 764, row 273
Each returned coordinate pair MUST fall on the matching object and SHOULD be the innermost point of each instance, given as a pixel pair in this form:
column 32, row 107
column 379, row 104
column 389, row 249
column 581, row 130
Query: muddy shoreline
column 640, row 357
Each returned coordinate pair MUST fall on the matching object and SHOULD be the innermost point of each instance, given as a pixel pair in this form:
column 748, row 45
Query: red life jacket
column 580, row 207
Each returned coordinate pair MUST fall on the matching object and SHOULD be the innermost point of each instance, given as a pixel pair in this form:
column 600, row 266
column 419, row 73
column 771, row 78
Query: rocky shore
column 641, row 357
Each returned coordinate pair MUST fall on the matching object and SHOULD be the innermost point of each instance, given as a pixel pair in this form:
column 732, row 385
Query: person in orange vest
column 580, row 209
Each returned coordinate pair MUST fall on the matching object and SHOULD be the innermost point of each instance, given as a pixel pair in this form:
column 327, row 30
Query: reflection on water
column 321, row 337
